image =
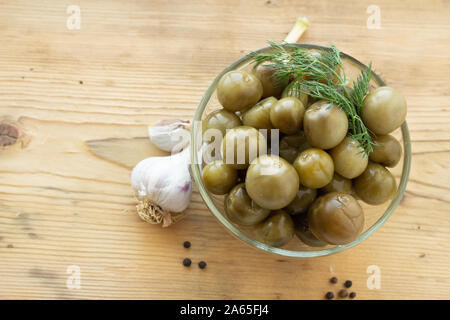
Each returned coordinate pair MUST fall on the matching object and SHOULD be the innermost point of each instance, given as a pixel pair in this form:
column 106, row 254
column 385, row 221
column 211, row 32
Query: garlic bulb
column 163, row 187
column 170, row 135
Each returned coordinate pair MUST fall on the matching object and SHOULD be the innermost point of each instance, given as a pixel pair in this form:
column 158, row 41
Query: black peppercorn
column 347, row 284
column 329, row 295
column 352, row 295
column 343, row 293
column 187, row 244
column 334, row 280
column 187, row 262
column 202, row 264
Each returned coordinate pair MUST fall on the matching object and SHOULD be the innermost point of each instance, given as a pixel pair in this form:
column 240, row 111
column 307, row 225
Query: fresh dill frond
column 361, row 86
column 321, row 76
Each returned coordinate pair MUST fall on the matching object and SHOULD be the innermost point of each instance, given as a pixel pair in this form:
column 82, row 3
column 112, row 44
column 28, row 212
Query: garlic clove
column 170, row 135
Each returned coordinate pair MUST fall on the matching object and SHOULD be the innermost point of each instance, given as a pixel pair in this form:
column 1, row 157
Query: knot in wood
column 8, row 134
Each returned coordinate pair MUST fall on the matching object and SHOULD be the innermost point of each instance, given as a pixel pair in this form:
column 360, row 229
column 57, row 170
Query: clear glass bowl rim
column 279, row 251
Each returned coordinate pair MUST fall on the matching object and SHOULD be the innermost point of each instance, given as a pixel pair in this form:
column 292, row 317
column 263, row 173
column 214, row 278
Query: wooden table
column 134, row 62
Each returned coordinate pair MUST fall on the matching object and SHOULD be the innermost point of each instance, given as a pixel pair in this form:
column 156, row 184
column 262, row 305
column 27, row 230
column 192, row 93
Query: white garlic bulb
column 163, row 187
column 170, row 135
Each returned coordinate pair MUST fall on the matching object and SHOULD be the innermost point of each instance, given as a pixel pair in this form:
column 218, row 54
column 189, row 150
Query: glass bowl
column 375, row 216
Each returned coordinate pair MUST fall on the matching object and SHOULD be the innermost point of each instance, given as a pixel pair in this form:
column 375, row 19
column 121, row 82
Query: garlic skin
column 163, row 186
column 170, row 135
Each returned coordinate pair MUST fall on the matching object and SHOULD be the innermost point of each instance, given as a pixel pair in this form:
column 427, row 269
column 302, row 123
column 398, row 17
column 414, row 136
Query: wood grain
column 135, row 62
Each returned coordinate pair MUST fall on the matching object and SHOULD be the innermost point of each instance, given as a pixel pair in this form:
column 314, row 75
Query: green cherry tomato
column 219, row 177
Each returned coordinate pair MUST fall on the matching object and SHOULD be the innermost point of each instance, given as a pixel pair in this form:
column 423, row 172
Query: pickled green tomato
column 276, row 230
column 287, row 115
column 291, row 91
column 338, row 184
column 325, row 125
column 383, row 110
column 258, row 116
column 271, row 182
column 219, row 177
column 315, row 168
column 291, row 146
column 375, row 185
column 264, row 72
column 348, row 85
column 386, row 151
column 349, row 158
column 241, row 209
column 238, row 90
column 303, row 232
column 336, row 218
column 303, row 199
column 241, row 145
column 220, row 120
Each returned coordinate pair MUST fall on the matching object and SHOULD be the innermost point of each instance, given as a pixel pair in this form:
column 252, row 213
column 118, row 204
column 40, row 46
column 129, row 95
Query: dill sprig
column 322, row 76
